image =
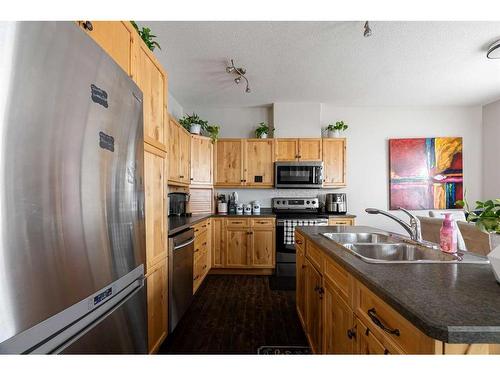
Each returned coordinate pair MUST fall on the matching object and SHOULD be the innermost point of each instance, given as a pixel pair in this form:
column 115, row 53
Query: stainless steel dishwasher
column 180, row 275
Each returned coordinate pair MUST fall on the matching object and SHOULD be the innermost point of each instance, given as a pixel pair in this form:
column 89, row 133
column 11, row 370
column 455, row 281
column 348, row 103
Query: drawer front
column 200, row 270
column 201, row 227
column 238, row 223
column 300, row 241
column 257, row 223
column 334, row 221
column 314, row 255
column 340, row 278
column 388, row 325
column 200, row 243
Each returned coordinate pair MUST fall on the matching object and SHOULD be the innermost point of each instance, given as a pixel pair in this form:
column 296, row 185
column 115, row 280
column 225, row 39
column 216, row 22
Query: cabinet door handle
column 351, row 333
column 375, row 319
column 191, row 178
column 87, row 25
column 298, row 242
column 196, row 278
column 181, row 176
column 204, row 243
column 303, row 266
column 196, row 250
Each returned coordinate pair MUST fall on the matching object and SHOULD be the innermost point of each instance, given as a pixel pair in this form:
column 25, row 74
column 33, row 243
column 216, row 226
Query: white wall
column 234, row 122
column 367, row 149
column 297, row 120
column 491, row 150
column 174, row 107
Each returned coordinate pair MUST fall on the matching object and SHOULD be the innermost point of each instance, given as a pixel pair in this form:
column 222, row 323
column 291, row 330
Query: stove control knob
column 308, row 202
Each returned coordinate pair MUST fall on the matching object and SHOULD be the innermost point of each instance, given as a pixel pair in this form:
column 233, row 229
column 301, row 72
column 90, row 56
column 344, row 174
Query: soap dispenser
column 448, row 235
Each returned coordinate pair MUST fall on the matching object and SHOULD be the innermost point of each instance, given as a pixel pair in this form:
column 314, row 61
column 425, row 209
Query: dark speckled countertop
column 455, row 303
column 177, row 224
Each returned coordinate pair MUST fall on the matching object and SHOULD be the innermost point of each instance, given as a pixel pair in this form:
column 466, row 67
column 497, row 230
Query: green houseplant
column 146, row 36
column 262, row 130
column 334, row 130
column 486, row 215
column 213, row 132
column 193, row 123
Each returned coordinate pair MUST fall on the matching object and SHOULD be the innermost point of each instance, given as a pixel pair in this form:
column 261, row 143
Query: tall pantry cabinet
column 121, row 41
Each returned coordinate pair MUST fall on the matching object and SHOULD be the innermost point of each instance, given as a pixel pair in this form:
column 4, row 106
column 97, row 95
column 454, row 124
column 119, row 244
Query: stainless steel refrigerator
column 72, row 246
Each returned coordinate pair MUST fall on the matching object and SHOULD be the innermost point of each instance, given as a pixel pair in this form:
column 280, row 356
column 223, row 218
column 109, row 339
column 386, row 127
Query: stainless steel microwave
column 302, row 174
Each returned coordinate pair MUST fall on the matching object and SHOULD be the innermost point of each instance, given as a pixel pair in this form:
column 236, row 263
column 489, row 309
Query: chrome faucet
column 413, row 228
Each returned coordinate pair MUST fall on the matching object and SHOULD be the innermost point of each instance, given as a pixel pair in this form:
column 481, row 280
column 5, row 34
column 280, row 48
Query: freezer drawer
column 123, row 331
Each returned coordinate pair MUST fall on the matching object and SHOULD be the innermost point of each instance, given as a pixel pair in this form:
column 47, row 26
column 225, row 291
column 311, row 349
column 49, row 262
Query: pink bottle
column 448, row 235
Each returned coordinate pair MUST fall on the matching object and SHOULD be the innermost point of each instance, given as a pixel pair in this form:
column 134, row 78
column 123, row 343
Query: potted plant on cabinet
column 193, row 123
column 485, row 234
column 262, row 130
column 334, row 131
column 213, row 132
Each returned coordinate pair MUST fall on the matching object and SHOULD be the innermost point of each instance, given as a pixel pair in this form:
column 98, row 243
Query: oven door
column 298, row 175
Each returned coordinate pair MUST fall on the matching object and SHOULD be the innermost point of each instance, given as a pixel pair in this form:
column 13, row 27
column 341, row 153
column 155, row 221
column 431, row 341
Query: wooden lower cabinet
column 157, row 305
column 202, row 252
column 340, row 315
column 340, row 221
column 238, row 247
column 339, row 334
column 313, row 309
column 243, row 243
column 301, row 284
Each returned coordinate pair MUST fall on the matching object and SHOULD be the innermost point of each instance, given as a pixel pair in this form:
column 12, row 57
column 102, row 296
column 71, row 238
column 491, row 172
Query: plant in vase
column 146, row 36
column 262, row 130
column 334, row 130
column 486, row 218
column 193, row 123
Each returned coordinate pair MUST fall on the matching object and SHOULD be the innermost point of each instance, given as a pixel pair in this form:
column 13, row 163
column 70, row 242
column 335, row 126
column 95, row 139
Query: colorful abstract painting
column 426, row 173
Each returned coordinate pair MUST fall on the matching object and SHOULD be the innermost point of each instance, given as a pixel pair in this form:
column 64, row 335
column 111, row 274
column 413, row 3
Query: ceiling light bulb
column 248, row 90
column 237, row 80
column 229, row 69
column 242, row 70
column 368, row 31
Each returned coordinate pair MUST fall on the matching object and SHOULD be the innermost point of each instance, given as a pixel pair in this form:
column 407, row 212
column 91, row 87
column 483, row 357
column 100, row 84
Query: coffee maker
column 336, row 203
column 178, row 204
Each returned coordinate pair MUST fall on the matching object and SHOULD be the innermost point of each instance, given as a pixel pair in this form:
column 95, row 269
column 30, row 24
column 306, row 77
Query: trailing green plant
column 213, row 132
column 146, row 36
column 187, row 120
column 339, row 125
column 486, row 215
column 263, row 128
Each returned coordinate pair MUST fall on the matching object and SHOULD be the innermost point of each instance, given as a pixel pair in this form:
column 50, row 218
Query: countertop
column 454, row 303
column 177, row 224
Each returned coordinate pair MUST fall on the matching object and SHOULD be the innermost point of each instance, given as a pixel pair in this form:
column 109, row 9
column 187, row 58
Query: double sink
column 381, row 248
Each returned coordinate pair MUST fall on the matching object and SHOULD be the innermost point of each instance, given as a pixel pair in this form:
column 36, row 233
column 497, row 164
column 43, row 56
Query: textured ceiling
column 402, row 63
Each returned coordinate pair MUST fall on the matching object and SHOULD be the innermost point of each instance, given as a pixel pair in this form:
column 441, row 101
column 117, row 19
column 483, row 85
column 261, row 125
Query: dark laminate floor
column 236, row 314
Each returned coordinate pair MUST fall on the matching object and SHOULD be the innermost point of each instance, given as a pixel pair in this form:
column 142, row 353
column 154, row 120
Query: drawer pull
column 375, row 319
column 298, row 242
column 196, row 278
column 203, row 244
column 205, row 266
column 196, row 250
column 351, row 333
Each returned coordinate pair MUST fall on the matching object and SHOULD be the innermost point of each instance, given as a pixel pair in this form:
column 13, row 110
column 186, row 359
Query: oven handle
column 281, row 222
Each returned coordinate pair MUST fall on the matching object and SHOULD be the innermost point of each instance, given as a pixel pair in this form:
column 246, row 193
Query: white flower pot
column 334, row 134
column 263, row 135
column 195, row 128
column 494, row 258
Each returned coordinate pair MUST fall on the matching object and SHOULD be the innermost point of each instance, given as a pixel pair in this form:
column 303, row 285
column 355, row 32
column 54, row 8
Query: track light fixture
column 240, row 72
column 494, row 51
column 368, row 31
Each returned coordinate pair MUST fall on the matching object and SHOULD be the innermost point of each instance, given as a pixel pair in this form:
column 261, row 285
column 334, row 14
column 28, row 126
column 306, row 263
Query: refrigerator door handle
column 59, row 342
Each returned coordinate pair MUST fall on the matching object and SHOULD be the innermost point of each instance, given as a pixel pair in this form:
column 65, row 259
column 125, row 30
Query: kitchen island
column 347, row 305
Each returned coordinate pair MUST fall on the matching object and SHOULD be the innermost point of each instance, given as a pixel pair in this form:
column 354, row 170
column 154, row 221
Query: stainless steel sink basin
column 343, row 238
column 399, row 253
column 381, row 248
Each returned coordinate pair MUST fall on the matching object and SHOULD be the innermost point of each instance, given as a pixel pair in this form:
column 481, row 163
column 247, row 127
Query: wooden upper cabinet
column 298, row 149
column 334, row 162
column 184, row 156
column 179, row 148
column 287, row 149
column 229, row 162
column 154, row 184
column 201, row 160
column 173, row 151
column 259, row 162
column 114, row 37
column 310, row 149
column 152, row 80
